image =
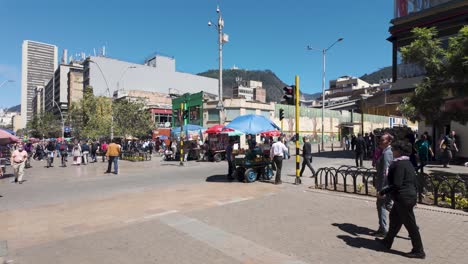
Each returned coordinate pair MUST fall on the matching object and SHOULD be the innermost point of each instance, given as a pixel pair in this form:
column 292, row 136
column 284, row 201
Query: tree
column 446, row 71
column 131, row 118
column 44, row 125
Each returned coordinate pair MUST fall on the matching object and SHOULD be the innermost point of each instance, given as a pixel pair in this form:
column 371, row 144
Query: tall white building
column 39, row 62
column 158, row 74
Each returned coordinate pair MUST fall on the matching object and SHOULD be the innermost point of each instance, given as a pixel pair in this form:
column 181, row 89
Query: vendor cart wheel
column 217, row 157
column 250, row 175
column 239, row 174
column 268, row 174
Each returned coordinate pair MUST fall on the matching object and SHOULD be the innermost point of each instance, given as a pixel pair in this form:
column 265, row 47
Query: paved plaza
column 159, row 212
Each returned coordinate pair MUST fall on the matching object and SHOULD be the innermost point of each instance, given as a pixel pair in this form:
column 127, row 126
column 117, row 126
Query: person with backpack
column 94, row 149
column 63, row 148
column 29, row 149
column 50, row 154
column 85, row 152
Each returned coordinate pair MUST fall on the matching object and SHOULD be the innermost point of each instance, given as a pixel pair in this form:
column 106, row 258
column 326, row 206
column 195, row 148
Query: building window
column 213, row 115
column 250, row 111
column 232, row 113
column 265, row 113
column 161, row 119
column 194, row 115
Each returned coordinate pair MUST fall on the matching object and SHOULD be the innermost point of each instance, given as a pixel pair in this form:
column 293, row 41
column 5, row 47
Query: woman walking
column 77, row 154
column 402, row 188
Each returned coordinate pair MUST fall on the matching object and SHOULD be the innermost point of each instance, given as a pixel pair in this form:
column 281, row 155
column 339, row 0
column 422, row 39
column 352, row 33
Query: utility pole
column 298, row 179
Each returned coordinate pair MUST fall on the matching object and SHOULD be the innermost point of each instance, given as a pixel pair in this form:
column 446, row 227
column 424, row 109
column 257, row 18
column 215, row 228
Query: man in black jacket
column 402, row 188
column 307, row 156
column 360, row 150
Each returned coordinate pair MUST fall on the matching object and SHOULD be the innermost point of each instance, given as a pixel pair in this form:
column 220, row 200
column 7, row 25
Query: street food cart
column 253, row 165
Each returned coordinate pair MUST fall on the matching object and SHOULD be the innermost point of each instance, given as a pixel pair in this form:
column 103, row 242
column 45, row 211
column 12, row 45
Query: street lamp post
column 5, row 81
column 63, row 122
column 111, row 96
column 122, row 75
column 324, row 52
column 222, row 38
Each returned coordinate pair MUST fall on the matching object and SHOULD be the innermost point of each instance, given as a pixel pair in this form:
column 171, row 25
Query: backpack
column 62, row 147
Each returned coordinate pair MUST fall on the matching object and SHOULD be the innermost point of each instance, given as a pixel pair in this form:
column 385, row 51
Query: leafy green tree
column 446, row 71
column 44, row 125
column 131, row 118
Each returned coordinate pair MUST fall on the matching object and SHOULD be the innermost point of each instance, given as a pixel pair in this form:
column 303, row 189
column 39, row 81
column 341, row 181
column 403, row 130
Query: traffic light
column 281, row 114
column 185, row 114
column 290, row 95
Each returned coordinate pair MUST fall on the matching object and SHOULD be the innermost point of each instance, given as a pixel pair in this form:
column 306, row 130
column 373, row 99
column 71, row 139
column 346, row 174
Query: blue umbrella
column 252, row 124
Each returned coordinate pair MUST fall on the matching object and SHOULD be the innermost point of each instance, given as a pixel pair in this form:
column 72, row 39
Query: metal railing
column 433, row 188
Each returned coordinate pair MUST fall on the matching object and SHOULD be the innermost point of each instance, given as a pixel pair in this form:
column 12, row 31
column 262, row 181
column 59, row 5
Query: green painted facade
column 193, row 103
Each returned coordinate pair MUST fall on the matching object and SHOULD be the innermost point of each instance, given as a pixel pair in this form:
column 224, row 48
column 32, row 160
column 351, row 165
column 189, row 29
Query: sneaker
column 419, row 255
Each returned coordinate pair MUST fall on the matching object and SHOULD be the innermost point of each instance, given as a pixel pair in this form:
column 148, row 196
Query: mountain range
column 272, row 84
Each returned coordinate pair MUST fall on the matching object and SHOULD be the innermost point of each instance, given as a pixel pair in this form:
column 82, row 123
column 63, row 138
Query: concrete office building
column 39, row 60
column 448, row 16
column 62, row 88
column 158, row 74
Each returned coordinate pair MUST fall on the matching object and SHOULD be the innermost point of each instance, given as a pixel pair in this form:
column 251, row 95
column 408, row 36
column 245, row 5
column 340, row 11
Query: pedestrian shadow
column 356, row 230
column 353, row 229
column 371, row 244
column 218, row 178
column 341, row 154
column 7, row 175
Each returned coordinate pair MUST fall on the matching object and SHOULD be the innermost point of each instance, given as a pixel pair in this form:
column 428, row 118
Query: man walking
column 230, row 160
column 448, row 145
column 18, row 161
column 277, row 152
column 307, row 156
column 382, row 165
column 113, row 153
column 360, row 150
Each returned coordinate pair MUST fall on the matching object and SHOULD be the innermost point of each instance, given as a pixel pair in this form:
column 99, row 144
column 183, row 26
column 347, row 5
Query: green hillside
column 271, row 82
column 375, row 77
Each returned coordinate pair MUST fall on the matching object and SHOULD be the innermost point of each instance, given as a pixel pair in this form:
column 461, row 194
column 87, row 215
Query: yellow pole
column 182, row 120
column 298, row 158
column 282, row 126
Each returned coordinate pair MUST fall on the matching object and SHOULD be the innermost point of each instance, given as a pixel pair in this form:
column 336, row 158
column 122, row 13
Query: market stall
column 253, row 164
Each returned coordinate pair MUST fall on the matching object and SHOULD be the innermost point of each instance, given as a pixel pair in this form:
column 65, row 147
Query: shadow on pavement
column 360, row 242
column 342, row 154
column 354, row 229
column 218, row 178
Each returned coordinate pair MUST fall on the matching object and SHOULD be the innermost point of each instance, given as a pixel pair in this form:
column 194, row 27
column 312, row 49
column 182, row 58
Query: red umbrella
column 217, row 129
column 271, row 133
column 7, row 138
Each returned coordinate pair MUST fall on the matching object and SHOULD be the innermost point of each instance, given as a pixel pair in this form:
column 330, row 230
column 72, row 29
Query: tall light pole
column 123, row 74
column 222, row 38
column 324, row 52
column 111, row 96
column 63, row 122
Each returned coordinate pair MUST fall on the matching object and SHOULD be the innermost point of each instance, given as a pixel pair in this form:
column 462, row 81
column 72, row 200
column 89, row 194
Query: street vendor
column 251, row 141
column 230, row 160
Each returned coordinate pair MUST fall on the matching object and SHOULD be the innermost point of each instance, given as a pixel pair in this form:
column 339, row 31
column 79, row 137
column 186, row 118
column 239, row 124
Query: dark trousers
column 307, row 162
column 230, row 169
column 278, row 160
column 359, row 156
column 402, row 214
column 109, row 164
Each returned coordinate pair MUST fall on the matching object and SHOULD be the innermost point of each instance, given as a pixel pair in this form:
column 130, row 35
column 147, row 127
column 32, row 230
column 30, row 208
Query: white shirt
column 278, row 149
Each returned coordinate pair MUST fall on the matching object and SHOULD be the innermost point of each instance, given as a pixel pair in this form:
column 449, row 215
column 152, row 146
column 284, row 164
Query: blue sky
column 263, row 34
